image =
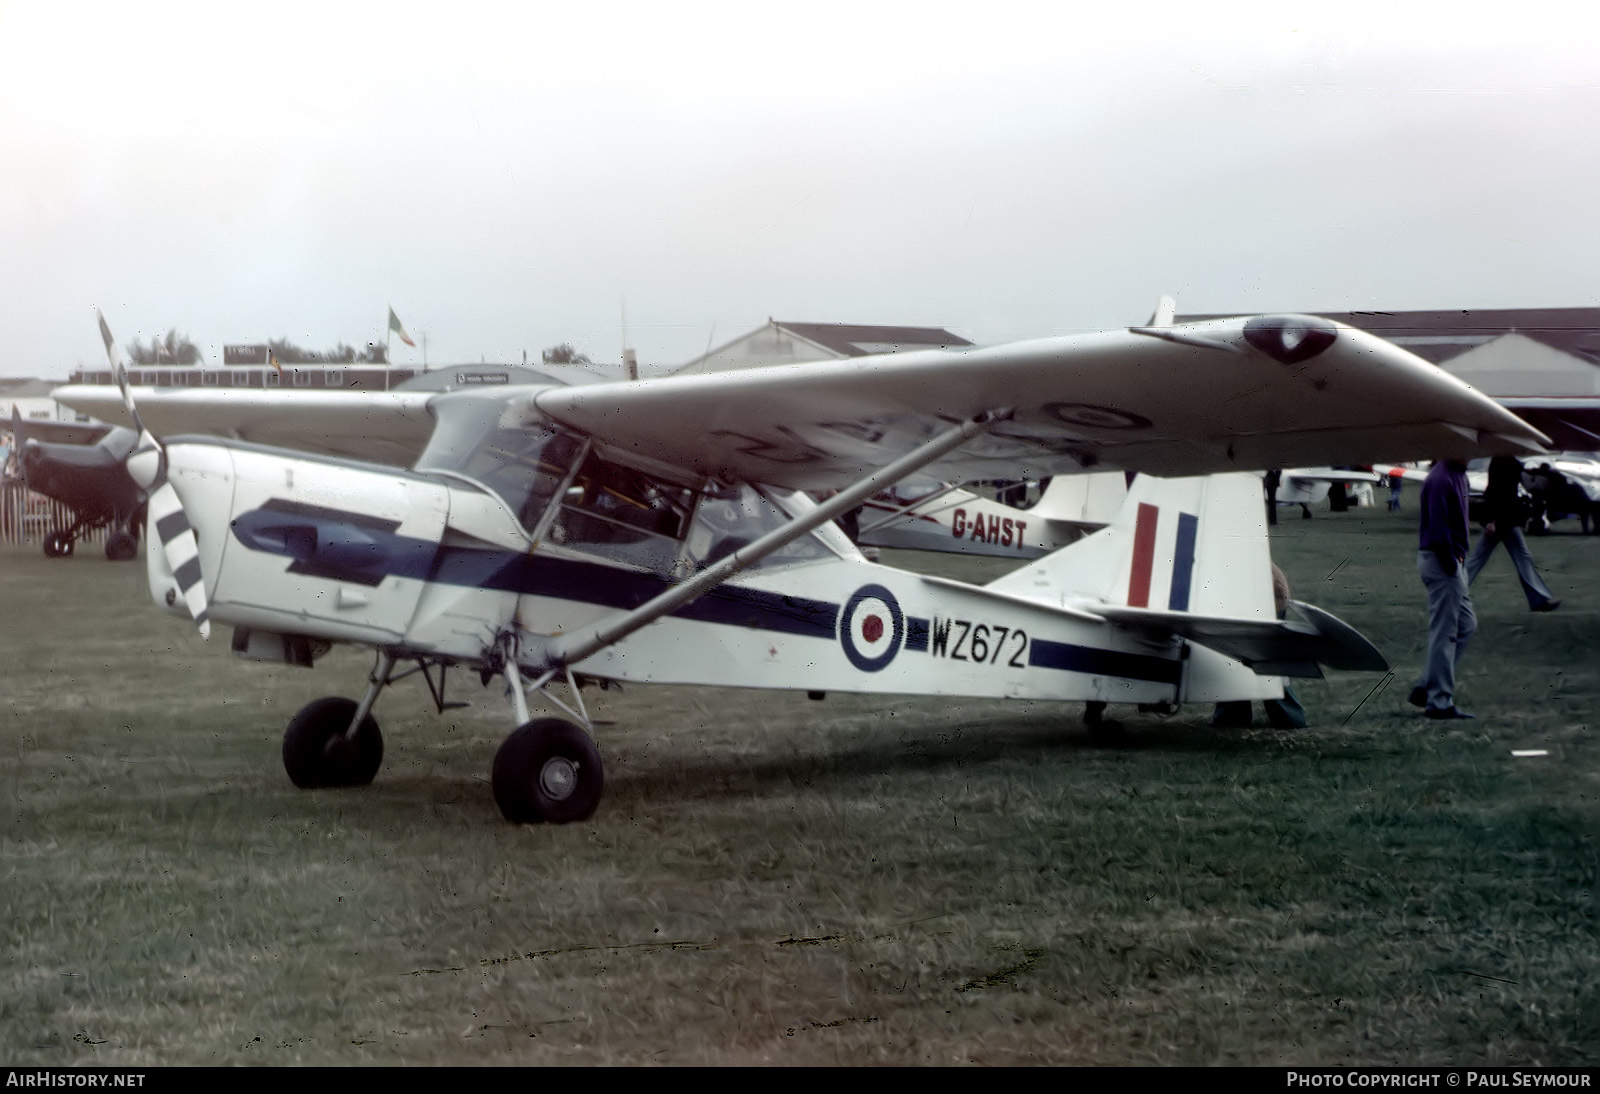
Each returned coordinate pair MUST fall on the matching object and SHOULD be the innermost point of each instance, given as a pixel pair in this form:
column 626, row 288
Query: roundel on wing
column 871, row 628
column 1094, row 416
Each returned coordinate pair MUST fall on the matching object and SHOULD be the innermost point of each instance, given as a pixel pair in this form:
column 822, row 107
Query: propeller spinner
column 147, row 466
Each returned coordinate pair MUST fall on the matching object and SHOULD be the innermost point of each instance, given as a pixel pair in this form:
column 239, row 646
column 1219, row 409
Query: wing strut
column 574, row 647
column 927, row 499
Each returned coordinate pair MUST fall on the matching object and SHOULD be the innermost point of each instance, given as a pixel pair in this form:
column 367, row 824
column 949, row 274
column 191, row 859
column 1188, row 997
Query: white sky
column 506, row 175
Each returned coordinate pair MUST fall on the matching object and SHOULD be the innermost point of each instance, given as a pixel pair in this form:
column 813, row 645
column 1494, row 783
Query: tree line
column 176, row 348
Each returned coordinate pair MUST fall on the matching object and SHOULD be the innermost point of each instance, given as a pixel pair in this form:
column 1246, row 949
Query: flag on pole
column 396, row 328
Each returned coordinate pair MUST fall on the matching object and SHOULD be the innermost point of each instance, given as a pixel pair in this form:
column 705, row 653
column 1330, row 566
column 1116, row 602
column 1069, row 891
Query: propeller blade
column 182, row 551
column 119, row 369
column 147, row 466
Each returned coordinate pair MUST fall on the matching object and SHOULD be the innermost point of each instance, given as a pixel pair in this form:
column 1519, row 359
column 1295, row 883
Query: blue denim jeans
column 1451, row 623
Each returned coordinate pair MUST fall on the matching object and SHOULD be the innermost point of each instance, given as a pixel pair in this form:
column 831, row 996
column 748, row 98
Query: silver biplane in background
column 661, row 531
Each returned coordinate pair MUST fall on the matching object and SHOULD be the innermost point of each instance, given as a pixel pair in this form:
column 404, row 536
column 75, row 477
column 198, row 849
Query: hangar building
column 782, row 343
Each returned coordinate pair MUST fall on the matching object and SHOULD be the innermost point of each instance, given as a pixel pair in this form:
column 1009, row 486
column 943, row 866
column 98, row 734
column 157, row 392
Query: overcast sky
column 511, row 176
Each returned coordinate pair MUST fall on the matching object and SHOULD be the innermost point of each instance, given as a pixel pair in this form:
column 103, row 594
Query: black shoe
column 1418, row 696
column 1447, row 714
column 1548, row 606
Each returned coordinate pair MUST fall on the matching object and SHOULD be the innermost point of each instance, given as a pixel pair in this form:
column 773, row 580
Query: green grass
column 776, row 880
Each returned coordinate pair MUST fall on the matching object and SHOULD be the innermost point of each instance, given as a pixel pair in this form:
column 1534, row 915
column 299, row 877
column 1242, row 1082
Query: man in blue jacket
column 1441, row 561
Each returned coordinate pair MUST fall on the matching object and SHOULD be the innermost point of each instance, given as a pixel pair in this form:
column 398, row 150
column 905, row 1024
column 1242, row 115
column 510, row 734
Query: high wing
column 54, row 432
column 1571, row 422
column 1194, row 399
column 389, row 427
column 1219, row 395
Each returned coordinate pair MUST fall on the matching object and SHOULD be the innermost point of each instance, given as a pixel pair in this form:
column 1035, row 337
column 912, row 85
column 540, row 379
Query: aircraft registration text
column 982, row 643
column 979, row 528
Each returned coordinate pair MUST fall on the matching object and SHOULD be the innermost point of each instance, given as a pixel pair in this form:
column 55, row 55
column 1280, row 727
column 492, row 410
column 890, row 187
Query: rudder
column 1193, row 545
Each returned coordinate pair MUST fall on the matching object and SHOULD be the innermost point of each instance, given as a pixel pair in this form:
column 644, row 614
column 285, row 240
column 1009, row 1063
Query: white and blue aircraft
column 661, row 530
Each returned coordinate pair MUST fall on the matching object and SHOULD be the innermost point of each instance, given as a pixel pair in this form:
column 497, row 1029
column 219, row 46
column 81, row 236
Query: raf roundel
column 871, row 628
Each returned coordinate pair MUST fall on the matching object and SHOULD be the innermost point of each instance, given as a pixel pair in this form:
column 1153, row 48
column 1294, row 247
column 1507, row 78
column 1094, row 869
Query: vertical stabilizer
column 1187, row 545
column 1095, row 498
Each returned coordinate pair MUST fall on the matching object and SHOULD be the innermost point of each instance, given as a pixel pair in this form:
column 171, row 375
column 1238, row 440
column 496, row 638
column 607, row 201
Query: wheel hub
column 558, row 778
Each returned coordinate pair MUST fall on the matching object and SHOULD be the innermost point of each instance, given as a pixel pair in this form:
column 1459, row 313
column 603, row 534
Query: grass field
column 771, row 879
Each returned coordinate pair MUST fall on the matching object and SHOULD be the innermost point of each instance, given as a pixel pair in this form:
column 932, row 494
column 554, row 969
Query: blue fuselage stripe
column 364, row 551
column 1094, row 661
column 1183, row 562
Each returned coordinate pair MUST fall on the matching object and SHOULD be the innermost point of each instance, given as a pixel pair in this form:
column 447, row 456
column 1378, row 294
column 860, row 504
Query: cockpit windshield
column 485, row 440
column 566, row 493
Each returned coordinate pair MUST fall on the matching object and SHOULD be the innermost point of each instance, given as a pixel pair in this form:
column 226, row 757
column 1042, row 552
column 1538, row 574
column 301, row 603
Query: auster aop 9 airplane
column 658, row 530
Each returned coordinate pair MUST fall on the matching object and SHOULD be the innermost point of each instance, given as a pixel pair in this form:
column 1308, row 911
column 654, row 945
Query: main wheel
column 548, row 770
column 317, row 752
column 120, row 547
column 58, row 545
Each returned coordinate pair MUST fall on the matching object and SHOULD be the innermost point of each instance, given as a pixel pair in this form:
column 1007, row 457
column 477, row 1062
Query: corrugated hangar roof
column 852, row 340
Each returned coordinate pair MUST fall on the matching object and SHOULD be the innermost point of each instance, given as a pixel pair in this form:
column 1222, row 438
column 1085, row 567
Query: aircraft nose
column 35, row 467
column 146, row 464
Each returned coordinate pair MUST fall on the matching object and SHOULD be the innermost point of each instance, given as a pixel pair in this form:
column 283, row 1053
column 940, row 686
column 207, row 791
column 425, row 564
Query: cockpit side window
column 525, row 467
column 624, row 515
column 735, row 517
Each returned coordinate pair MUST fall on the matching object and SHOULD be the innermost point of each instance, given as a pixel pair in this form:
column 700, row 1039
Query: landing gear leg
column 336, row 741
column 548, row 769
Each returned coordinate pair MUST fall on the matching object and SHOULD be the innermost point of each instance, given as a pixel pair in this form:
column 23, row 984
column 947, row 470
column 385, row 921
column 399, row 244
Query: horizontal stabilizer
column 1294, row 647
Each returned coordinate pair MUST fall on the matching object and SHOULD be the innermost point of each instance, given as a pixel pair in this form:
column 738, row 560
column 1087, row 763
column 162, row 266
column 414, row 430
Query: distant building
column 1500, row 351
column 1503, row 352
column 244, row 370
column 31, row 399
column 782, row 343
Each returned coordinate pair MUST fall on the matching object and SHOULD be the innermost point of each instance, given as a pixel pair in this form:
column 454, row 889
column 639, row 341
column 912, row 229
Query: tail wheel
column 58, row 545
column 318, row 753
column 548, row 770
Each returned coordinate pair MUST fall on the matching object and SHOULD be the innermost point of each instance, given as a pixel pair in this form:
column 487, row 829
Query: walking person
column 1502, row 523
column 1441, row 563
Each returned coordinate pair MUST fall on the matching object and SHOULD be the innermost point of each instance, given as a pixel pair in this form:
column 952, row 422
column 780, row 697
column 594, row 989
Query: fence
column 26, row 517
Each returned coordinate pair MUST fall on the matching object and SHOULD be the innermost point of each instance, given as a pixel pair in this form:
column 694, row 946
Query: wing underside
column 388, row 427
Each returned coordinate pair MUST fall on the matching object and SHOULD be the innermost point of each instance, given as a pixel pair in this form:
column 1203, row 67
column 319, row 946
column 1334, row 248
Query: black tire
column 316, row 752
column 58, row 545
column 121, row 547
column 548, row 770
